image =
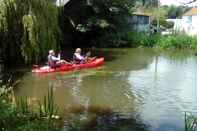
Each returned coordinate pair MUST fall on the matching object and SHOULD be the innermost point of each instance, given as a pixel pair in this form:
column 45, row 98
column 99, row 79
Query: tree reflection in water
column 101, row 119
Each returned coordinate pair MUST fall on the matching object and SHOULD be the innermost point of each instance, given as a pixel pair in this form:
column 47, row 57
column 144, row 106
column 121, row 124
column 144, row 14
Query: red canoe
column 62, row 68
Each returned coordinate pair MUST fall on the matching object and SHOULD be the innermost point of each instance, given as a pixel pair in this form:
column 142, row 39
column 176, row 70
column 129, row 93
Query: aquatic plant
column 20, row 116
column 190, row 122
column 22, row 106
column 48, row 108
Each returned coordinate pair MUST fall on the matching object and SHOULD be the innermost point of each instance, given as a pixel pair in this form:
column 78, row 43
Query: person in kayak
column 78, row 58
column 54, row 61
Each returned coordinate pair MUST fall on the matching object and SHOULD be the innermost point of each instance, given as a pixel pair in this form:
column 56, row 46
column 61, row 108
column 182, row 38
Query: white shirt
column 79, row 56
column 53, row 58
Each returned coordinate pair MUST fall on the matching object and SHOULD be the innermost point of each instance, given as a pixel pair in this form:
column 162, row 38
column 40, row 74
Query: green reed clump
column 190, row 122
column 48, row 108
column 137, row 39
column 177, row 41
column 20, row 116
column 23, row 106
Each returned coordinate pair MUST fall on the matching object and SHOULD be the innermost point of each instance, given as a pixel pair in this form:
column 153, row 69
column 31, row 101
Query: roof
column 142, row 13
column 191, row 12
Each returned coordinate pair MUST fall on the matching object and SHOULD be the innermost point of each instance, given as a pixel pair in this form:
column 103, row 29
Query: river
column 145, row 89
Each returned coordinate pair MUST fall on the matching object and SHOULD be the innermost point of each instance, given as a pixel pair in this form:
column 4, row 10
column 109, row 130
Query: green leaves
column 29, row 27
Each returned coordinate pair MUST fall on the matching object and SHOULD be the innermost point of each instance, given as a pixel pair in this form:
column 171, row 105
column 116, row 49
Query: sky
column 176, row 2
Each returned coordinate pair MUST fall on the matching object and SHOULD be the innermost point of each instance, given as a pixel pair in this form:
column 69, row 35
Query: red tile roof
column 191, row 12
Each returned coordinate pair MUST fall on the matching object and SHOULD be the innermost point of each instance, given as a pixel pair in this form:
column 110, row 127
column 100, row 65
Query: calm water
column 143, row 87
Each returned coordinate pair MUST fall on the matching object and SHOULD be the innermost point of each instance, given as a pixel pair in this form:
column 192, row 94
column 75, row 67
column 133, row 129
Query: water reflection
column 158, row 87
column 101, row 119
column 165, row 90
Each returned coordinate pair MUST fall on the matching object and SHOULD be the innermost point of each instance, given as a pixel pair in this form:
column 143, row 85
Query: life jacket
column 51, row 62
column 76, row 60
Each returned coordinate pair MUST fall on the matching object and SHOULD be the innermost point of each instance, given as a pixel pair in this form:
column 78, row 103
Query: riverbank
column 18, row 115
column 134, row 39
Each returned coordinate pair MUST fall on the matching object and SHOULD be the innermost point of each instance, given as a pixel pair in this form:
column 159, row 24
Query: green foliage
column 133, row 39
column 175, row 11
column 180, row 41
column 99, row 20
column 48, row 108
column 190, row 122
column 141, row 39
column 20, row 116
column 113, row 40
column 28, row 28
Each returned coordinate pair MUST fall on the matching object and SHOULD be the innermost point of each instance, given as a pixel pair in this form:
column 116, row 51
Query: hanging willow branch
column 29, row 27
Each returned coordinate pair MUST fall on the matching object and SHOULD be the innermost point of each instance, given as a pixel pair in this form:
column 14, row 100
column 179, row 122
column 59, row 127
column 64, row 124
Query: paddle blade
column 88, row 54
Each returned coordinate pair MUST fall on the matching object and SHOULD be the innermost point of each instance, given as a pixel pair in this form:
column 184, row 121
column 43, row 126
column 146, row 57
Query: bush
column 113, row 40
column 19, row 116
column 141, row 39
column 177, row 42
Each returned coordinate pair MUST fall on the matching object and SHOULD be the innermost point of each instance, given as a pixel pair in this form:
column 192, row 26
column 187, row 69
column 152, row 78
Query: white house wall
column 189, row 24
column 194, row 25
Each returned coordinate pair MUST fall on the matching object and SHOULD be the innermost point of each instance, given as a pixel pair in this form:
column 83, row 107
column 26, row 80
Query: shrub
column 177, row 41
column 141, row 39
column 21, row 117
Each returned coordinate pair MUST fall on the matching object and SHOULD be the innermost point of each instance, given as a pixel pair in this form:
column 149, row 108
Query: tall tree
column 28, row 29
column 93, row 19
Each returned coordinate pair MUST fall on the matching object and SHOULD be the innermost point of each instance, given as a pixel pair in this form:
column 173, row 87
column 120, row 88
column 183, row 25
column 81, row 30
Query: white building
column 189, row 22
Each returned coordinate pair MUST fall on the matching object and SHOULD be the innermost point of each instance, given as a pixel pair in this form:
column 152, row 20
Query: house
column 189, row 22
column 140, row 22
column 177, row 25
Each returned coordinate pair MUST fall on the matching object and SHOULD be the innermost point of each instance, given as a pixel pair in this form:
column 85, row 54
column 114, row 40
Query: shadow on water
column 12, row 77
column 101, row 119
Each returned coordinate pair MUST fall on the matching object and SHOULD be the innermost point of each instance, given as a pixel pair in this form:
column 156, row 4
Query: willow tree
column 28, row 29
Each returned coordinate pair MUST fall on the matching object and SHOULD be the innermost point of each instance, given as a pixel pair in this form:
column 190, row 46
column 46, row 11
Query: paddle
column 88, row 58
column 88, row 54
column 65, row 61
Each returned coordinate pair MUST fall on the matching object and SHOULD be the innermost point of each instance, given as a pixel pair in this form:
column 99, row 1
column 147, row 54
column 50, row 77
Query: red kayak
column 46, row 69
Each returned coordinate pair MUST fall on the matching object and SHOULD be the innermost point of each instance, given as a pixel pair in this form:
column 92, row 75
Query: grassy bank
column 19, row 116
column 133, row 39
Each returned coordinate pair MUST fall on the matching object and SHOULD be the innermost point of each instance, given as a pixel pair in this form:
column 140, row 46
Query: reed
column 190, row 122
column 48, row 108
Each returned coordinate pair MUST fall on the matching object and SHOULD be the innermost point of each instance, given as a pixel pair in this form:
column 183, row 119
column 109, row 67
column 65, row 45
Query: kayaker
column 78, row 58
column 54, row 61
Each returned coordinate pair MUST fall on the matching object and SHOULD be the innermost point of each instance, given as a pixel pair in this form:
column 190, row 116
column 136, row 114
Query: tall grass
column 48, row 108
column 190, row 122
column 178, row 41
column 20, row 116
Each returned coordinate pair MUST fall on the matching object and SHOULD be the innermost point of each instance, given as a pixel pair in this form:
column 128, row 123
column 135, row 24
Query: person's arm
column 55, row 58
column 79, row 57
